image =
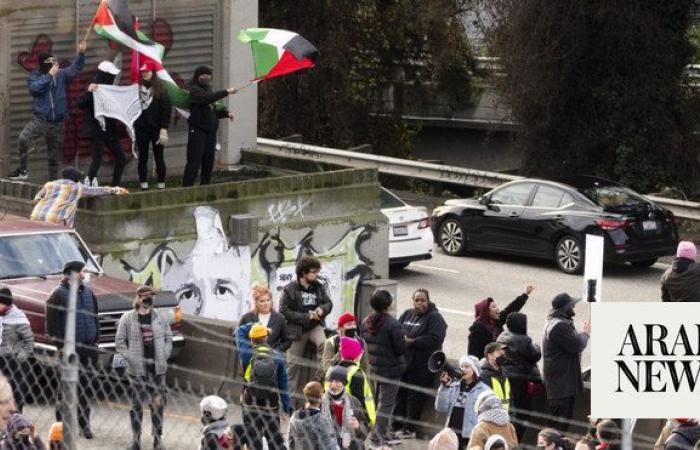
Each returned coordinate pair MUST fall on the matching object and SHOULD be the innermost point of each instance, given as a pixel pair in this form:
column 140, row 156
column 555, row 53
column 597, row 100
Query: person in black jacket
column 520, row 366
column 386, row 346
column 562, row 346
column 278, row 336
column 87, row 333
column 424, row 330
column 305, row 304
column 490, row 320
column 90, row 128
column 152, row 125
column 203, row 123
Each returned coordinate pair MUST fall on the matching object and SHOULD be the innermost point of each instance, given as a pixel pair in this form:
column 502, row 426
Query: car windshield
column 389, row 200
column 613, row 196
column 41, row 254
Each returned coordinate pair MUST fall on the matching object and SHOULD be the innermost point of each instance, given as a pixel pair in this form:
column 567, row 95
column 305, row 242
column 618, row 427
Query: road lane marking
column 146, row 408
column 437, row 269
column 663, row 265
column 456, row 311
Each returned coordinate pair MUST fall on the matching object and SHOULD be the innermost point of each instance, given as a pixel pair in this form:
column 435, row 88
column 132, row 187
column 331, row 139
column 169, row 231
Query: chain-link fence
column 173, row 401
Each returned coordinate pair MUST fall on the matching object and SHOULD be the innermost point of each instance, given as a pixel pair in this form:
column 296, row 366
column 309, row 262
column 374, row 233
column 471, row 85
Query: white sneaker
column 87, row 182
column 161, row 185
column 144, row 186
column 95, row 183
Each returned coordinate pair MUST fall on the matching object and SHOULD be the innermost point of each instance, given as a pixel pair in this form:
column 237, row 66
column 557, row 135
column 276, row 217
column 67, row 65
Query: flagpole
column 247, row 85
column 87, row 33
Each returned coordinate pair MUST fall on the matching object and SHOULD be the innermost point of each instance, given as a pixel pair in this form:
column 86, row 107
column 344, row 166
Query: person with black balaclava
column 562, row 346
column 152, row 125
column 90, row 128
column 203, row 124
column 48, row 86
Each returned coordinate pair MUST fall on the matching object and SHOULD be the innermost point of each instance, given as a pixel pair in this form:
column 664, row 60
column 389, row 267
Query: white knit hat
column 472, row 361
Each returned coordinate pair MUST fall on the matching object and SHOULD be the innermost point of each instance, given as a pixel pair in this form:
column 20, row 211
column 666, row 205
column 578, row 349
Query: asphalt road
column 457, row 283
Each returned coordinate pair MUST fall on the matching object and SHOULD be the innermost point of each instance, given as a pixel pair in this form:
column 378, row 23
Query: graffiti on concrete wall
column 283, row 210
column 214, row 279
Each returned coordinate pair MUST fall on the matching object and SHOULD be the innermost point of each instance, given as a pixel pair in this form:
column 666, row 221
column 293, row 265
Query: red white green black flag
column 278, row 52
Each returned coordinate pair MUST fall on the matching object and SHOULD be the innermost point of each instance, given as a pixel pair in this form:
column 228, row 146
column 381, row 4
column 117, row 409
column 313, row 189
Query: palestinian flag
column 278, row 52
column 179, row 97
column 105, row 25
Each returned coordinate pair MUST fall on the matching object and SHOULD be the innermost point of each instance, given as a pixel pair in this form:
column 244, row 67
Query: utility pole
column 627, row 428
column 69, row 370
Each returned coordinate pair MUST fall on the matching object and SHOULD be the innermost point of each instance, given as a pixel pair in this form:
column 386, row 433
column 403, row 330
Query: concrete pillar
column 367, row 288
column 238, row 70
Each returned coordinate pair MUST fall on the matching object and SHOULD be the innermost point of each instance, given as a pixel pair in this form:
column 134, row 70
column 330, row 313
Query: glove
column 162, row 137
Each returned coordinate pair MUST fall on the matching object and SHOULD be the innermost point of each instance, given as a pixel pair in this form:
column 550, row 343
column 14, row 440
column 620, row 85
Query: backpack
column 263, row 377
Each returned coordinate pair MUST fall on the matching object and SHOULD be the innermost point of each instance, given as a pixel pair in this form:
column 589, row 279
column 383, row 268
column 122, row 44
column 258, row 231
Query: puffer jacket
column 17, row 337
column 49, row 101
column 522, row 354
column 562, row 346
column 129, row 343
column 87, row 324
column 386, row 345
column 681, row 282
column 308, row 428
column 428, row 331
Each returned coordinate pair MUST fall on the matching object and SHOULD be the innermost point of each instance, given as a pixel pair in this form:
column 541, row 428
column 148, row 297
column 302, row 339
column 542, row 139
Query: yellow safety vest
column 261, row 349
column 366, row 390
column 502, row 391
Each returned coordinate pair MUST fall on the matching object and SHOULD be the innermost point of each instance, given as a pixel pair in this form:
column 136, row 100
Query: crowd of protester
column 365, row 385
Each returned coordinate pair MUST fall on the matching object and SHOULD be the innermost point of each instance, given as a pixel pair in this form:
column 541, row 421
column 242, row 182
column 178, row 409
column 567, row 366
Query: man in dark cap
column 562, row 346
column 347, row 414
column 57, row 201
column 47, row 84
column 87, row 332
column 203, row 123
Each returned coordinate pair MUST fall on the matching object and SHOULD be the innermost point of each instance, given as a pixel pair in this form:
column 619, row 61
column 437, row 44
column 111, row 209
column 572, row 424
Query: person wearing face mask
column 21, row 435
column 562, row 346
column 16, row 345
column 203, row 124
column 347, row 327
column 151, row 127
column 90, row 128
column 349, row 419
column 457, row 398
column 551, row 439
column 357, row 382
column 493, row 374
column 489, row 321
column 144, row 340
column 47, row 84
column 87, row 332
column 213, row 409
column 424, row 330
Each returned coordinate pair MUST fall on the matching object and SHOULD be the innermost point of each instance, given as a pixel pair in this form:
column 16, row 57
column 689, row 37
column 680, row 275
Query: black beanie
column 339, row 373
column 71, row 173
column 5, row 295
column 202, row 70
column 73, row 266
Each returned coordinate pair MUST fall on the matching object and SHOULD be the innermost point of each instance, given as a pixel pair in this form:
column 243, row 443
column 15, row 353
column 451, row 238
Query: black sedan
column 550, row 219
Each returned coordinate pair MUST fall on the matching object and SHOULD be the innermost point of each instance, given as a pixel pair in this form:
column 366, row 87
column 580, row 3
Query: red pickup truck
column 32, row 255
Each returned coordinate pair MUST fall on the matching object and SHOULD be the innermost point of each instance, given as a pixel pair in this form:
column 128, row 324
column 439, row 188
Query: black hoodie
column 203, row 113
column 428, row 331
column 521, row 354
column 681, row 283
column 683, row 437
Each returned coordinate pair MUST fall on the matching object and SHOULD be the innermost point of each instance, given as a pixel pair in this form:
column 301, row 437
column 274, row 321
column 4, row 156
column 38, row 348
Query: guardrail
column 427, row 171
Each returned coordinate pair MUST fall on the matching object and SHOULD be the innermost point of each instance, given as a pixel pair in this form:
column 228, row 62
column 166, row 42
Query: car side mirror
column 484, row 200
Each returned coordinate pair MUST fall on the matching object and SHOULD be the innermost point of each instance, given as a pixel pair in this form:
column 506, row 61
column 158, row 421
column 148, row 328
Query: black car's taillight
column 612, row 224
column 671, row 218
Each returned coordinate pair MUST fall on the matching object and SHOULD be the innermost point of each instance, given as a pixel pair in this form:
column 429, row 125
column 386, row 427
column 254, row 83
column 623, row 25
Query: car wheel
column 568, row 254
column 452, row 238
column 644, row 263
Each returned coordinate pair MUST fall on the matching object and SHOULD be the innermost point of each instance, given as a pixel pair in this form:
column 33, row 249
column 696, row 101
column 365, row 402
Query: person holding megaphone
column 457, row 397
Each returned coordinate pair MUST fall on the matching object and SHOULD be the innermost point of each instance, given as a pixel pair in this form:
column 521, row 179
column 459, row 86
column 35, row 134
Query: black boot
column 136, row 444
column 158, row 443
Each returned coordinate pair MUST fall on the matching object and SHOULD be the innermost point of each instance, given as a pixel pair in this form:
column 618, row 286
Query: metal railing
column 426, row 171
